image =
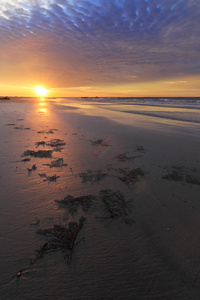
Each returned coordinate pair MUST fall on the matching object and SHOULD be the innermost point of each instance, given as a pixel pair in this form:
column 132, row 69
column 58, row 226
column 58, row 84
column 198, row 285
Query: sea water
column 174, row 108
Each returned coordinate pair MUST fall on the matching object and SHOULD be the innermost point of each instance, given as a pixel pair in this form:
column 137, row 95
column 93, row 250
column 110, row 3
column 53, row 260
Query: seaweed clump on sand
column 175, row 175
column 140, row 149
column 47, row 132
column 40, row 153
column 49, row 178
column 92, row 176
column 97, row 142
column 55, row 143
column 73, row 203
column 115, row 204
column 40, row 143
column 57, row 163
column 21, row 127
column 62, row 238
column 124, row 157
column 26, row 159
column 183, row 174
column 131, row 176
column 33, row 168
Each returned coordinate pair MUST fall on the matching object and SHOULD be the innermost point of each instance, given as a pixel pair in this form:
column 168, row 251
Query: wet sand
column 134, row 179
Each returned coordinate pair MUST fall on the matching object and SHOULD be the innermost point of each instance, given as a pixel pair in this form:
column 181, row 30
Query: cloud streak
column 99, row 42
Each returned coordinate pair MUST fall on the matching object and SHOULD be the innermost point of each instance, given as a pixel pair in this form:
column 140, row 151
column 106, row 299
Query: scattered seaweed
column 33, row 168
column 101, row 142
column 92, row 176
column 40, row 143
column 62, row 238
column 21, row 127
column 192, row 179
column 58, row 163
column 73, row 203
column 40, row 153
column 41, row 131
column 42, row 175
column 175, row 175
column 26, row 159
column 140, row 149
column 55, row 143
column 50, row 131
column 114, row 204
column 58, row 149
column 50, row 178
column 124, row 157
column 131, row 176
column 183, row 174
column 96, row 142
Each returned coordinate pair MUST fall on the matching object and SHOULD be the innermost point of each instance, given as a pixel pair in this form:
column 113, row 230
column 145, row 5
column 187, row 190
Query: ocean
column 174, row 108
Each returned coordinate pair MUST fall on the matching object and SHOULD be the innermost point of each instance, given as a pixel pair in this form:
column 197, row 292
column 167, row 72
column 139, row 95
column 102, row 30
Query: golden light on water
column 41, row 91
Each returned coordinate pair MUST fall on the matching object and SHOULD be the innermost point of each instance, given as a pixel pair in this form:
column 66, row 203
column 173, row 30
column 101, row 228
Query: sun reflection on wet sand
column 42, row 110
column 42, row 103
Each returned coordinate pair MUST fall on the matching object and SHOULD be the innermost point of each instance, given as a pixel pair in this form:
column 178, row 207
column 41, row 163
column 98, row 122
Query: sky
column 100, row 47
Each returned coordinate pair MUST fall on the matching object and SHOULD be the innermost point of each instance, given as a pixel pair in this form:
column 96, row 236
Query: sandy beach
column 97, row 202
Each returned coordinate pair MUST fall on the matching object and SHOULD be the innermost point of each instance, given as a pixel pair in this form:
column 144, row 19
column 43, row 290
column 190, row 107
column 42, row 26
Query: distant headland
column 4, row 98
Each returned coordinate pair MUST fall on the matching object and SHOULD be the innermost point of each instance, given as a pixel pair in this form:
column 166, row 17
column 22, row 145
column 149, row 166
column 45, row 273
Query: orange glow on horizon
column 173, row 87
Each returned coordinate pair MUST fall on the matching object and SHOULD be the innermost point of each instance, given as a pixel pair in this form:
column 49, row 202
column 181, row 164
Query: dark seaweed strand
column 61, row 239
column 115, row 204
column 73, row 203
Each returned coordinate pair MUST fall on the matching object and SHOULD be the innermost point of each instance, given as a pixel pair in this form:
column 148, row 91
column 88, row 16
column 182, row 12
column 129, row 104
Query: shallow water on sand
column 151, row 253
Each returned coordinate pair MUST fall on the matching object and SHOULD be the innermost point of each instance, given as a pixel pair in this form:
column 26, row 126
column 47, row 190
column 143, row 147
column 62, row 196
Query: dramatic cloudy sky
column 100, row 47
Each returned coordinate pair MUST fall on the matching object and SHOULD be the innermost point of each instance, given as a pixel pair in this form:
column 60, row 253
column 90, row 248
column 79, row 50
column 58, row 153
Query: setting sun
column 41, row 91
